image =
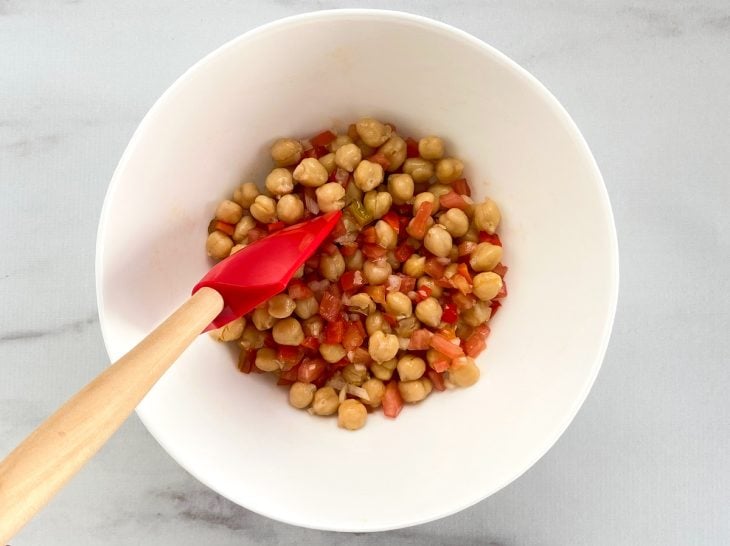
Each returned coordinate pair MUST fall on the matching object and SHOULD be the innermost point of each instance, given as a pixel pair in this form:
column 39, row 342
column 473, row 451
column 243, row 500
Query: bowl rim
column 499, row 57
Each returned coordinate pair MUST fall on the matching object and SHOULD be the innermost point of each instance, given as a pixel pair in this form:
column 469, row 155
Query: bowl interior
column 211, row 131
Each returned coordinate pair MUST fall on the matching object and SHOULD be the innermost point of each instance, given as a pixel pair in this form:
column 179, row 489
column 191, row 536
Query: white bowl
column 211, row 130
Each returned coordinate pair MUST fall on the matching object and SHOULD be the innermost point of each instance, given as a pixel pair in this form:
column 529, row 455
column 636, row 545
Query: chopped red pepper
column 466, row 248
column 453, row 200
column 417, row 227
column 373, row 251
column 463, row 270
column 463, row 301
column 492, row 239
column 329, row 307
column 361, row 356
column 354, row 335
column 289, row 376
column 315, row 151
column 423, row 293
column 390, row 319
column 348, row 249
column 313, row 261
column 311, row 369
column 412, row 147
column 434, row 268
column 392, row 400
column 495, row 306
column 437, row 379
column 255, row 234
column 420, row 340
column 369, row 235
column 379, row 157
column 298, row 290
column 330, row 248
column 407, row 284
column 500, row 270
column 311, row 343
column 225, row 227
column 393, row 220
column 450, row 314
column 403, row 252
column 444, row 346
column 334, row 332
column 377, row 293
column 502, row 292
column 323, row 138
column 276, row 226
column 351, row 280
column 461, row 186
column 474, row 345
column 463, row 285
column 352, row 132
column 289, row 356
column 246, row 359
column 440, row 365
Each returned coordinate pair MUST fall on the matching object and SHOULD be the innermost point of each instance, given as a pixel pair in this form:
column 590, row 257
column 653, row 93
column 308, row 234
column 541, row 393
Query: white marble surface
column 646, row 460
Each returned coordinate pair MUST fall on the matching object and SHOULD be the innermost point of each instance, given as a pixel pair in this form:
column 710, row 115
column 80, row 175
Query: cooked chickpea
column 429, row 312
column 279, row 181
column 472, row 234
column 339, row 142
column 438, row 241
column 313, row 326
column 384, row 370
column 426, row 196
column 245, row 194
column 290, row 209
column 478, row 314
column 431, row 147
column 377, row 203
column 251, row 338
column 449, row 169
column 231, row 331
column 415, row 391
column 487, row 285
column 330, row 197
column 262, row 319
column 351, row 415
column 229, row 212
column 382, row 346
column 368, row 175
column 455, row 221
column 395, row 152
column 386, row 235
column 485, row 257
column 411, row 367
column 436, row 290
column 376, row 323
column 400, row 186
column 243, row 226
column 286, row 152
column 433, row 356
column 487, row 216
column 355, row 374
column 438, row 190
column 236, row 248
column 362, row 303
column 464, row 372
column 332, row 352
column 332, row 266
column 406, row 326
column 299, row 273
column 266, row 360
column 288, row 331
column 306, row 307
column 355, row 262
column 325, row 401
column 375, row 389
column 398, row 304
column 376, row 272
column 348, row 156
column 419, row 169
column 372, row 132
column 301, row 394
column 264, row 209
column 311, row 173
column 218, row 245
column 281, row 306
column 328, row 162
column 414, row 266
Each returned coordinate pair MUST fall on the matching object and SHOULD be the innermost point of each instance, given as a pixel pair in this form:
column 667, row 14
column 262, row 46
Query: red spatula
column 60, row 446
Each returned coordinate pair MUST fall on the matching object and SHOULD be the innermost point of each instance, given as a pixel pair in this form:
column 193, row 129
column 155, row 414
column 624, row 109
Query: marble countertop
column 648, row 82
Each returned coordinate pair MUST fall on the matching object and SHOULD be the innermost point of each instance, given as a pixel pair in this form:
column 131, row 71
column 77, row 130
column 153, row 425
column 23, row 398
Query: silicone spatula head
column 263, row 269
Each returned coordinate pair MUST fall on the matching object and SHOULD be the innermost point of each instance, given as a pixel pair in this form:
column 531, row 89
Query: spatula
column 61, row 445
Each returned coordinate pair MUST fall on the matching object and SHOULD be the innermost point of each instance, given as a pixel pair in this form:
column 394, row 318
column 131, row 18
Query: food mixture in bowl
column 396, row 303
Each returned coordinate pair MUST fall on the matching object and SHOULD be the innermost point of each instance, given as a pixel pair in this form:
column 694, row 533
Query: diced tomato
column 483, row 330
column 377, row 293
column 379, row 157
column 289, row 356
column 351, row 280
column 289, row 376
column 246, row 359
column 390, row 319
column 334, row 331
column 463, row 270
column 495, row 306
column 276, row 226
column 403, row 252
column 392, row 400
column 369, row 235
column 466, row 248
column 255, row 234
column 315, row 151
column 440, row 365
column 310, row 369
column 450, row 314
column 500, row 270
column 461, row 187
column 354, row 335
column 434, row 268
column 323, row 138
column 463, row 285
column 447, row 332
column 437, row 379
column 412, row 147
column 463, row 301
column 373, row 251
column 453, row 200
column 444, row 282
column 311, row 343
column 423, row 293
column 417, row 226
column 393, row 220
column 224, row 227
column 361, row 356
column 492, row 239
column 329, row 248
column 502, row 292
column 298, row 290
column 329, row 307
column 420, row 340
column 474, row 345
column 407, row 284
column 339, row 230
column 348, row 249
column 444, row 346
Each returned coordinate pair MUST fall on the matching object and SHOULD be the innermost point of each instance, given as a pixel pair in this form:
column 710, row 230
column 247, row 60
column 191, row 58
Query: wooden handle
column 60, row 446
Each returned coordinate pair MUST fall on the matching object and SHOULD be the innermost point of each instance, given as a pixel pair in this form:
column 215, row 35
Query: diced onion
column 359, row 392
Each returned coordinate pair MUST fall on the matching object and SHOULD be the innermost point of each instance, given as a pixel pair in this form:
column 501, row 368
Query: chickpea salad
column 396, row 303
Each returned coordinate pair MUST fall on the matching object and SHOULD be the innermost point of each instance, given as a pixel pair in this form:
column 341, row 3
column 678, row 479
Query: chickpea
column 245, row 194
column 431, row 147
column 419, row 169
column 372, row 132
column 290, row 209
column 299, row 273
column 415, row 266
column 429, row 312
column 394, row 262
column 438, row 190
column 487, row 216
column 325, row 401
column 286, row 152
column 451, row 270
column 438, row 241
column 377, row 203
column 351, row 415
column 395, row 152
column 311, row 173
column 449, row 169
column 306, row 308
column 436, row 290
column 262, row 319
column 384, row 370
column 301, row 394
column 251, row 338
column 411, row 367
column 485, row 257
column 472, row 234
column 229, row 211
column 332, row 352
column 426, row 196
column 400, row 186
column 281, row 306
column 376, row 272
column 464, row 372
column 355, row 374
column 348, row 156
column 279, row 181
column 406, row 326
column 478, row 314
column 288, row 331
column 386, row 235
column 382, row 346
column 455, row 221
column 313, row 326
column 398, row 304
column 362, row 303
column 356, row 261
column 487, row 285
column 433, row 356
column 243, row 226
column 266, row 360
column 332, row 266
column 328, row 162
column 236, row 248
column 231, row 331
column 415, row 391
column 264, row 209
column 339, row 142
column 218, row 245
column 366, row 150
column 368, row 175
column 331, row 196
column 376, row 323
column 375, row 389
